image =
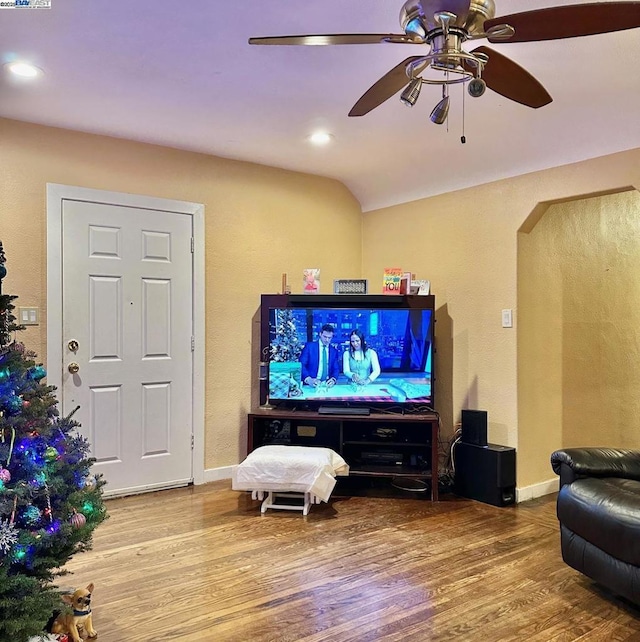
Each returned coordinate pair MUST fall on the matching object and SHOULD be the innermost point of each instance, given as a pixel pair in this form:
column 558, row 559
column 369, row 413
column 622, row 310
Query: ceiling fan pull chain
column 445, row 93
column 463, row 138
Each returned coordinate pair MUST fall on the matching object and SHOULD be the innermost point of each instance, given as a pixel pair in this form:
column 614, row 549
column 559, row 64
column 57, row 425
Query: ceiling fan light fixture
column 476, row 87
column 415, row 27
column 411, row 92
column 440, row 111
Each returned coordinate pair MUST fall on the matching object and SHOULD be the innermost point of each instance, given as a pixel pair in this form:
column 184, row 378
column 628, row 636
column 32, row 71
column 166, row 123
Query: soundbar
column 340, row 410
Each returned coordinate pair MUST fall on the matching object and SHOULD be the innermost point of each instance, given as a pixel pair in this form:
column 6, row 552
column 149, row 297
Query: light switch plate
column 29, row 316
column 507, row 318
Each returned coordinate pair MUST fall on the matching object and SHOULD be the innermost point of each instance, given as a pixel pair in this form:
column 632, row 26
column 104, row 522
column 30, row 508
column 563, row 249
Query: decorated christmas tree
column 50, row 503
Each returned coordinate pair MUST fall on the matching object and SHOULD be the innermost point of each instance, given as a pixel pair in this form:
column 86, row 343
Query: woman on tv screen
column 359, row 362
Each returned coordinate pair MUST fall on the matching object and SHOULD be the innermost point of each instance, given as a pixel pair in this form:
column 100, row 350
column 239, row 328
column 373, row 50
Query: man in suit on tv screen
column 320, row 360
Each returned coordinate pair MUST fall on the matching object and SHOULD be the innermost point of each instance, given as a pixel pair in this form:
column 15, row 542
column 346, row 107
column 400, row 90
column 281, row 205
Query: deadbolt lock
column 73, row 345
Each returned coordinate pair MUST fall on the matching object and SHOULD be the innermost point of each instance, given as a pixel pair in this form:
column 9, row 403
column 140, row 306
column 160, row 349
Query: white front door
column 127, row 327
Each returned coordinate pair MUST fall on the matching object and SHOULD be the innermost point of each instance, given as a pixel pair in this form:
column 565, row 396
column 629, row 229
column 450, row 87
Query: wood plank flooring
column 201, row 564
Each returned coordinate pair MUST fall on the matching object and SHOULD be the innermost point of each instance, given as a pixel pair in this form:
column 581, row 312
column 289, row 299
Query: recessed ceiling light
column 320, row 138
column 24, row 69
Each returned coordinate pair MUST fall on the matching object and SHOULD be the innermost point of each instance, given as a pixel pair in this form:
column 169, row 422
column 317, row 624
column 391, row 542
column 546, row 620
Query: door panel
column 127, row 301
column 105, row 423
column 105, row 318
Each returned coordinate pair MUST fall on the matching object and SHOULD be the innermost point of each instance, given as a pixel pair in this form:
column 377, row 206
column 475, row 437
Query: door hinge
column 192, row 442
column 192, row 245
column 193, row 343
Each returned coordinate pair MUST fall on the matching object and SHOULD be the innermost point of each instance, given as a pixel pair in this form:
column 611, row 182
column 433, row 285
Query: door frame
column 56, row 193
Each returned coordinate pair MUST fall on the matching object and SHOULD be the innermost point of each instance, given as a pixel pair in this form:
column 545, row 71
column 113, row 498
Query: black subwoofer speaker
column 474, row 427
column 485, row 473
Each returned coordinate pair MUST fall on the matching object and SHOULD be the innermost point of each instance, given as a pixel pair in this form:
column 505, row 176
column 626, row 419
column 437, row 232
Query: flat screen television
column 397, row 373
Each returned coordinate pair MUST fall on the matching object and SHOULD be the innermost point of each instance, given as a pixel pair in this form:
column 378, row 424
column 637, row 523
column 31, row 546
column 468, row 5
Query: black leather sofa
column 599, row 512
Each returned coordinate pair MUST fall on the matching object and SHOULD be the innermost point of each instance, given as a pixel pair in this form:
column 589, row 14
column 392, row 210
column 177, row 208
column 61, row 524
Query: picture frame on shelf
column 405, row 283
column 391, row 281
column 350, row 286
column 421, row 287
column 311, row 281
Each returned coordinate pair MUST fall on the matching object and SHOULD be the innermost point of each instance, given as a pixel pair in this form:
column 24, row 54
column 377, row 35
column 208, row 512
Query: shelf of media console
column 390, row 471
column 388, row 444
column 345, row 434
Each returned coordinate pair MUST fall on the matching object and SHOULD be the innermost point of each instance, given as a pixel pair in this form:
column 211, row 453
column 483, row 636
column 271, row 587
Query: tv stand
column 374, row 445
column 346, row 410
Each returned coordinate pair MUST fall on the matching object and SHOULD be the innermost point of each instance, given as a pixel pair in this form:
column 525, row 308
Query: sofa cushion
column 618, row 576
column 606, row 513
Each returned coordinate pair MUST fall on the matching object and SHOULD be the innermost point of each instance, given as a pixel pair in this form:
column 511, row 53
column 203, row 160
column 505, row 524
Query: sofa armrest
column 573, row 463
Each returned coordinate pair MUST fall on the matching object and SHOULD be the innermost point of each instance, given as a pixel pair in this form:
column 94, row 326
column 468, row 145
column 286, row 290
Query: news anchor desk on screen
column 384, row 389
column 388, row 387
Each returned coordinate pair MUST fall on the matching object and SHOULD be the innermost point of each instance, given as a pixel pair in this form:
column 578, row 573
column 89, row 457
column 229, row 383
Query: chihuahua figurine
column 79, row 619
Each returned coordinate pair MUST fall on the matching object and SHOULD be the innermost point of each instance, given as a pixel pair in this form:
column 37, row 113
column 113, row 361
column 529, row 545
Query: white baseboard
column 537, row 490
column 216, row 474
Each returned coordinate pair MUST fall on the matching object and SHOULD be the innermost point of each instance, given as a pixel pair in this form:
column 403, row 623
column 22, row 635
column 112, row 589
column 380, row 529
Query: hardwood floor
column 201, row 564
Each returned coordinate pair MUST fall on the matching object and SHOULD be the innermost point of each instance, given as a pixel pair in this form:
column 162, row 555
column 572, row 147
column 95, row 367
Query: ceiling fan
column 445, row 25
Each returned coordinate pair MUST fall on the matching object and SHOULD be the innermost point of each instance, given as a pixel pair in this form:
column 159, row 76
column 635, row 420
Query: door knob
column 73, row 367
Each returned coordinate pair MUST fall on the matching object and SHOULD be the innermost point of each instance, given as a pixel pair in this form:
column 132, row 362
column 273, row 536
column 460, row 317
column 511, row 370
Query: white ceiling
column 181, row 74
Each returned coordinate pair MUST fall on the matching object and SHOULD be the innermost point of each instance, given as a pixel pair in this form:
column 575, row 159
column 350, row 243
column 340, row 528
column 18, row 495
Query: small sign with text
column 25, row 4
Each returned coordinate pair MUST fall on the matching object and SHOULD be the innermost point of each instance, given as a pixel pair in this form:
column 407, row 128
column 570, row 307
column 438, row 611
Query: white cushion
column 300, row 469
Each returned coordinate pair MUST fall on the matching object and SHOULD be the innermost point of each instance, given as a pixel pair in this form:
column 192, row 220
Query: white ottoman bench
column 301, row 472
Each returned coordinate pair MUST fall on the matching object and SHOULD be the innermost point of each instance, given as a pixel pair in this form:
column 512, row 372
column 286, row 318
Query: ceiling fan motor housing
column 418, row 17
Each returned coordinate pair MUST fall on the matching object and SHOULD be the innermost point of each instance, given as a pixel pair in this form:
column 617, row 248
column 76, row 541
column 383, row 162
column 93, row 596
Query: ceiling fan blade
column 510, row 80
column 391, row 83
column 570, row 21
column 338, row 39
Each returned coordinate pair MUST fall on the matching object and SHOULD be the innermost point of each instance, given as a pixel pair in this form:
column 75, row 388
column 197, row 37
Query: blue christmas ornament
column 14, row 403
column 37, row 372
column 31, row 514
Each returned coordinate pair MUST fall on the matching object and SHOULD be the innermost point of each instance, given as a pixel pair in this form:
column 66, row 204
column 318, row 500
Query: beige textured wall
column 259, row 223
column 262, row 221
column 579, row 333
column 466, row 243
